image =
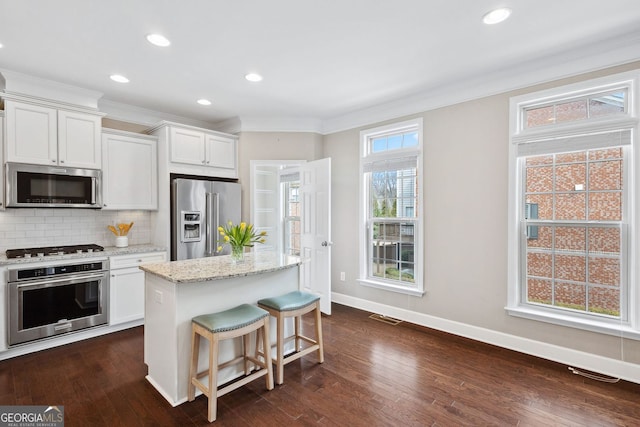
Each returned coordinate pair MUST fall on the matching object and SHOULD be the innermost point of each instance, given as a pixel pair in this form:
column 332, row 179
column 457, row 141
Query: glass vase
column 237, row 254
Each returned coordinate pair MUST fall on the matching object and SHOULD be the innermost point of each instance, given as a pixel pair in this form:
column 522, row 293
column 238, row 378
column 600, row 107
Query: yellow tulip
column 230, row 223
column 226, row 238
column 263, row 233
column 220, row 229
column 243, row 225
column 219, row 248
column 262, row 240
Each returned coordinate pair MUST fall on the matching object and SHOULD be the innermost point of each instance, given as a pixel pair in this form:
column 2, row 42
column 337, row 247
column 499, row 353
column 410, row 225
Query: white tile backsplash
column 28, row 228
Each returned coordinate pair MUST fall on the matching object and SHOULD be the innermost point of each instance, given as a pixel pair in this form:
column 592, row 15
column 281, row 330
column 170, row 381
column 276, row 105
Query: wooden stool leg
column 259, row 340
column 319, row 332
column 193, row 369
column 280, row 348
column 213, row 377
column 297, row 321
column 266, row 345
column 245, row 354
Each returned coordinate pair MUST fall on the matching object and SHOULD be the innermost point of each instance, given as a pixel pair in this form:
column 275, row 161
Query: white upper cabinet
column 129, row 171
column 45, row 135
column 187, row 146
column 2, row 203
column 199, row 151
column 79, row 139
column 220, row 152
column 32, row 133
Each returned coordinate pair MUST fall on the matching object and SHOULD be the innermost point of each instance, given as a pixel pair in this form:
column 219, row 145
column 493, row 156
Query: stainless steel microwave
column 36, row 186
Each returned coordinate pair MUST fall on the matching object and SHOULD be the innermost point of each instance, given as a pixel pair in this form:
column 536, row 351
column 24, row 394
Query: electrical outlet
column 158, row 296
column 343, row 276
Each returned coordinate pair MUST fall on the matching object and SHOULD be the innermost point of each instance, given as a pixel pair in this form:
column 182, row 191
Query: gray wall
column 465, row 207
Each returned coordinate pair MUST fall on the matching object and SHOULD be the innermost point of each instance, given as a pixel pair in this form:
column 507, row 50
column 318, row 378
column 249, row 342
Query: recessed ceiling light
column 119, row 78
column 158, row 40
column 253, row 77
column 203, row 101
column 496, row 16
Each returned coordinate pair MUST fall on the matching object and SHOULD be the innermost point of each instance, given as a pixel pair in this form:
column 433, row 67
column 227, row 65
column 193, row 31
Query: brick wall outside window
column 575, row 266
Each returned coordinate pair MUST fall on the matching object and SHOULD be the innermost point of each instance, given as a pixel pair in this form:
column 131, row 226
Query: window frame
column 367, row 157
column 628, row 325
column 289, row 219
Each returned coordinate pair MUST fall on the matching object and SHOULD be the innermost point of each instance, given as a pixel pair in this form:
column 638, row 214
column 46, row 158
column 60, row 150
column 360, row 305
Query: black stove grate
column 52, row 250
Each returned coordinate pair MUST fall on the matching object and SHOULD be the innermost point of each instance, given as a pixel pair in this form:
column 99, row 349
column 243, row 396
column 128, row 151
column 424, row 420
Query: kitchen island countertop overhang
column 220, row 267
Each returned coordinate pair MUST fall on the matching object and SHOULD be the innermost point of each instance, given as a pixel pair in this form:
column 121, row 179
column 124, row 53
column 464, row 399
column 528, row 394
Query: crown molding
column 281, row 124
column 596, row 56
column 146, row 117
column 19, row 84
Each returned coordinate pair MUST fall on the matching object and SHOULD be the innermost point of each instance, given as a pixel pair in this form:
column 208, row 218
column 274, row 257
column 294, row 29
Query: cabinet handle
column 139, row 260
column 61, row 161
column 53, row 160
column 113, row 275
column 208, row 162
column 203, row 162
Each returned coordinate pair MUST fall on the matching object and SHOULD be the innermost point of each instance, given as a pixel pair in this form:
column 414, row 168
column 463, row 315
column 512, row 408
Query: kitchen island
column 177, row 291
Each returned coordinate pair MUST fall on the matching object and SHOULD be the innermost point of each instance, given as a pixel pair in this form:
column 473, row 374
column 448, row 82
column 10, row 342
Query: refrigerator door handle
column 211, row 217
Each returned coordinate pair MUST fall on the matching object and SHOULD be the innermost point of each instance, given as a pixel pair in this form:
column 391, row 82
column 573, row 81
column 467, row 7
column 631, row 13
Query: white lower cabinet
column 126, row 286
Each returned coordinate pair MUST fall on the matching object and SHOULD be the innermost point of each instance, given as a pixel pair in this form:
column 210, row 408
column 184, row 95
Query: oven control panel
column 32, row 273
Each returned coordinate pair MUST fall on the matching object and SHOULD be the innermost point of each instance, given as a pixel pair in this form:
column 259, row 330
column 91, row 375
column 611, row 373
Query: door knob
column 325, row 243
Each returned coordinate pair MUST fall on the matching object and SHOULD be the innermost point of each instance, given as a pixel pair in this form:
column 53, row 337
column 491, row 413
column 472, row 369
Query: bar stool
column 294, row 304
column 236, row 322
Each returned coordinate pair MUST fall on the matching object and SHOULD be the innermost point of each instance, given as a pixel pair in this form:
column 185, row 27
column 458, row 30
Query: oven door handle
column 45, row 283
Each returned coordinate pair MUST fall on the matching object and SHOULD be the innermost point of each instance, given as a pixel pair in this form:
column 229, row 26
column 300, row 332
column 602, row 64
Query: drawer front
column 134, row 260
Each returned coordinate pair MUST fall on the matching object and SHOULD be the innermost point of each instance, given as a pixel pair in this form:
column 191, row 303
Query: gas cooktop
column 52, row 250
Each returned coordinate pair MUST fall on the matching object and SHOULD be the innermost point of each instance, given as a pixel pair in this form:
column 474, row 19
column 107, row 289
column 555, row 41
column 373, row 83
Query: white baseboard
column 574, row 358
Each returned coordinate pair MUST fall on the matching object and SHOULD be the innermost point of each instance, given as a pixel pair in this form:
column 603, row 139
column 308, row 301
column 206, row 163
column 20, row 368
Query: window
column 572, row 206
column 391, row 241
column 291, row 219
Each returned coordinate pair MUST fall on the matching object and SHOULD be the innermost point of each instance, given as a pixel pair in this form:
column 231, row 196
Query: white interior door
column 315, row 246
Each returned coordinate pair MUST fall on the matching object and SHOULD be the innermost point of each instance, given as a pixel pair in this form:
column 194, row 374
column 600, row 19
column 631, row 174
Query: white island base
column 177, row 291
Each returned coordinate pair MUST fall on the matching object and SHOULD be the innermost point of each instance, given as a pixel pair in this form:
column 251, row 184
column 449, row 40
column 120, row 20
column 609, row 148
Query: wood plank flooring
column 374, row 374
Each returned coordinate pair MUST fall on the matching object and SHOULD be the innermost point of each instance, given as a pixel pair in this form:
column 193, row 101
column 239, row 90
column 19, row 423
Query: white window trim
column 631, row 327
column 365, row 135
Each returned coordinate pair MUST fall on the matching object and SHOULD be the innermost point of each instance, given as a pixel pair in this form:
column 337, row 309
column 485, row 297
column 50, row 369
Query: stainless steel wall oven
column 65, row 296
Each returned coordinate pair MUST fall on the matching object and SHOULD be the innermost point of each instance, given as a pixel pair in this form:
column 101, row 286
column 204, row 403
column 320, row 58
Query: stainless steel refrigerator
column 198, row 207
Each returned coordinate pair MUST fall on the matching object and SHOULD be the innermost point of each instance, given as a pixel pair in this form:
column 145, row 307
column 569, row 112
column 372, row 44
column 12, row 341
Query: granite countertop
column 108, row 252
column 220, row 267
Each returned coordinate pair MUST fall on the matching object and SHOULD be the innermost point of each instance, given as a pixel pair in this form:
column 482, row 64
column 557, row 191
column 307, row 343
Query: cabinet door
column 79, row 140
column 221, row 152
column 129, row 173
column 126, row 289
column 187, row 146
column 31, row 133
column 2, row 203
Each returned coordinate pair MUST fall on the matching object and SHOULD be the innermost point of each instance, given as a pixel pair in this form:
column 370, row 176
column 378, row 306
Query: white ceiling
column 327, row 65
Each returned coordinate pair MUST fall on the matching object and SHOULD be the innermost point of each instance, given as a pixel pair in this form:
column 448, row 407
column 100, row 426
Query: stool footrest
column 245, row 380
column 298, row 354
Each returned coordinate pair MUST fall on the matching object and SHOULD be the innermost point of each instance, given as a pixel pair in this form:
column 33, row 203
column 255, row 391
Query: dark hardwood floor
column 374, row 374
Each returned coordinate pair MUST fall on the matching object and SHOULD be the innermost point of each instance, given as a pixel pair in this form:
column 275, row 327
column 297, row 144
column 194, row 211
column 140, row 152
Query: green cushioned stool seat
column 288, row 302
column 294, row 304
column 234, row 318
column 237, row 322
